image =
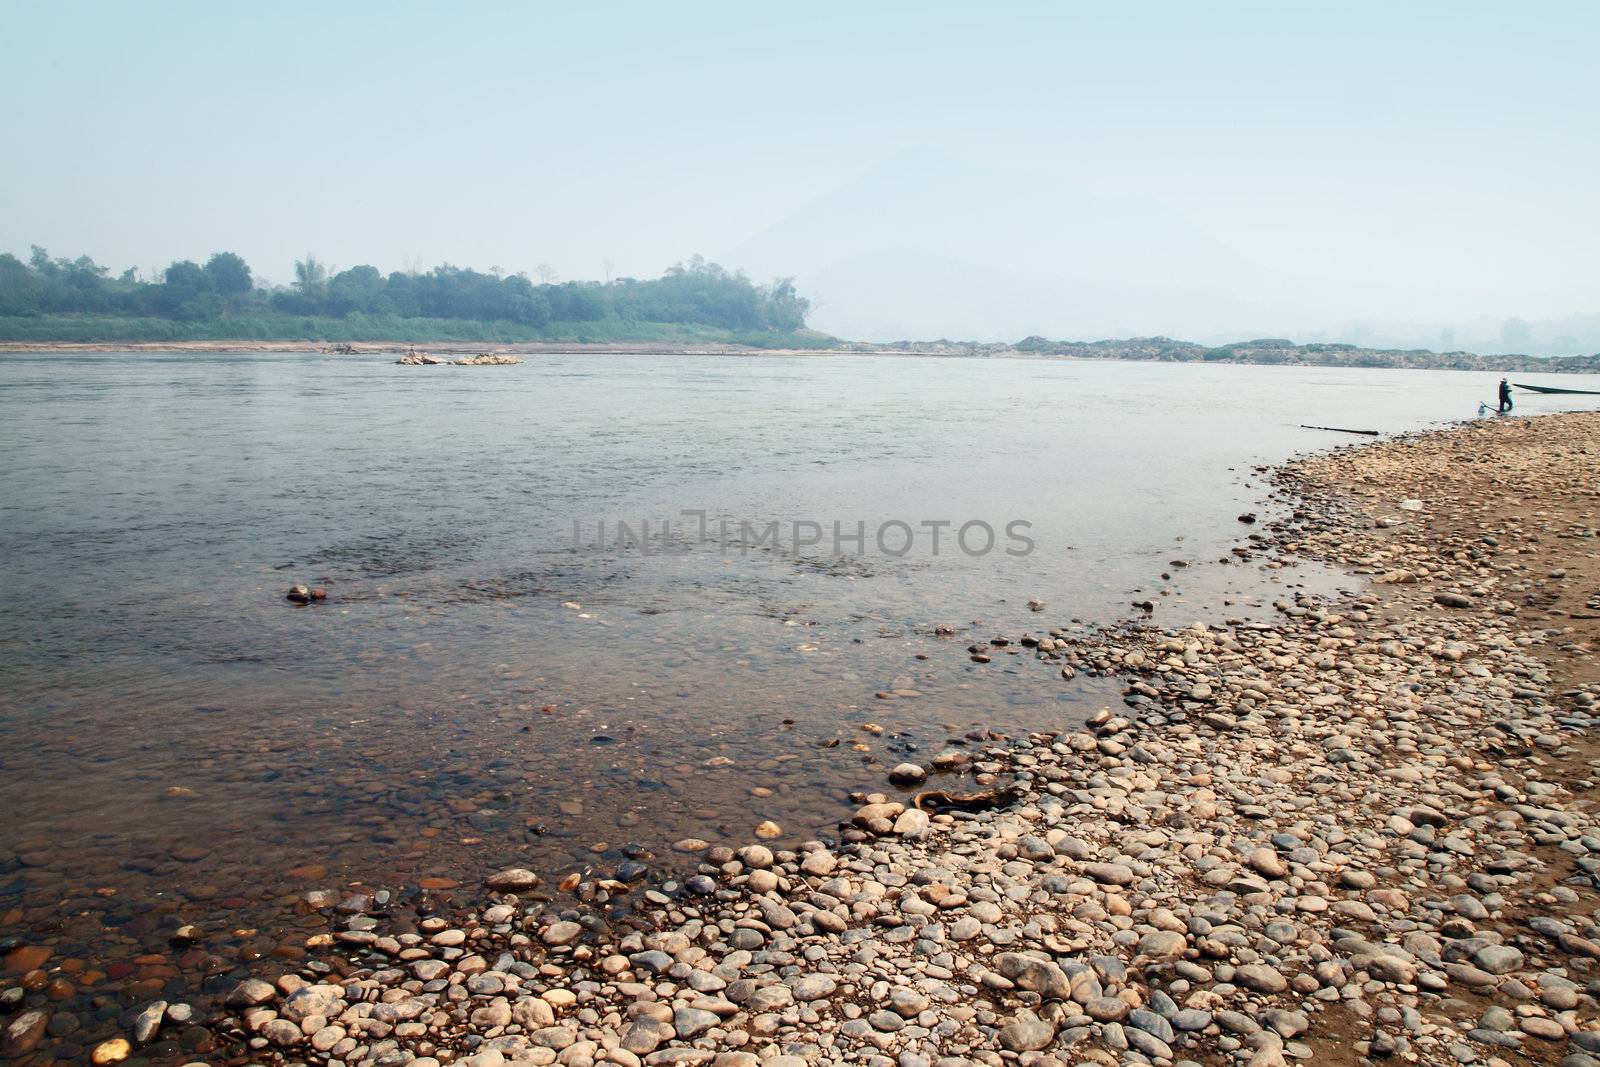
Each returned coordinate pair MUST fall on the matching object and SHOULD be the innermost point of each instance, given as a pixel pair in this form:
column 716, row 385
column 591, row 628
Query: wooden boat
column 1553, row 389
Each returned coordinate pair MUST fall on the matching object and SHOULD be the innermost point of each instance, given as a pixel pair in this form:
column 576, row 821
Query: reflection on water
column 179, row 744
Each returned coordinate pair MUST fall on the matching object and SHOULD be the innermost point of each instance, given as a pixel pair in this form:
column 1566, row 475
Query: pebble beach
column 1360, row 831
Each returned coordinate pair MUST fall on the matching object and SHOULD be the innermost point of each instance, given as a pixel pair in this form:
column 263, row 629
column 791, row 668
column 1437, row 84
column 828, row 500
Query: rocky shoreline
column 1363, row 831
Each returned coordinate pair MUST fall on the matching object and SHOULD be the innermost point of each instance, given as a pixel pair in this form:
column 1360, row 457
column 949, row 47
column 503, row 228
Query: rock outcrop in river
column 483, row 359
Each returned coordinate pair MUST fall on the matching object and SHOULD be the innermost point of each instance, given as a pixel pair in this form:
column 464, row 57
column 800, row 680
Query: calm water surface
column 481, row 690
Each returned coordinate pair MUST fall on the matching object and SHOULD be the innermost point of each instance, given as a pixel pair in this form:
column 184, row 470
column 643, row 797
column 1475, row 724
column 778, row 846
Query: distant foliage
column 278, row 326
column 699, row 293
column 1279, row 350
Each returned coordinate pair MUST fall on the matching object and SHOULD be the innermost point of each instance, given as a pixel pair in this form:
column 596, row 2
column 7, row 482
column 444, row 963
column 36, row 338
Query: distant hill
column 929, row 244
column 921, row 245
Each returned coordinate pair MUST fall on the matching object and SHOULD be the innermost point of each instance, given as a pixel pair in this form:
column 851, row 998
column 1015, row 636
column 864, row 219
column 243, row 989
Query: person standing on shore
column 1505, row 396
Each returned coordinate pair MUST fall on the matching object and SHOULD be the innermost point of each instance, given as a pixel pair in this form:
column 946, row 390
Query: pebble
column 561, row 933
column 23, row 1034
column 907, row 774
column 114, row 1050
column 512, row 880
column 148, row 1022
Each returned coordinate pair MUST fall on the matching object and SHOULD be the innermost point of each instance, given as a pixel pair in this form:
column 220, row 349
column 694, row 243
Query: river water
column 498, row 675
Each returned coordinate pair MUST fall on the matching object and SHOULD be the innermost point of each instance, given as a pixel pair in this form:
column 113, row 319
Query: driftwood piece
column 1340, row 429
column 936, row 800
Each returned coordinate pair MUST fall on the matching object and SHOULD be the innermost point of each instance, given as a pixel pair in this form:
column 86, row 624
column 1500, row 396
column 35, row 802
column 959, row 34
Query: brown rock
column 27, row 957
column 23, row 1034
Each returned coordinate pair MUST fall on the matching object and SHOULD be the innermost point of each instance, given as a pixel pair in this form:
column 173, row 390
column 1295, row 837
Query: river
column 499, row 675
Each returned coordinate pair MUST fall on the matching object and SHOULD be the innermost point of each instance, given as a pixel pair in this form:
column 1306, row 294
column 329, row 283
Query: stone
column 1148, row 1044
column 689, row 1022
column 1105, row 1009
column 1267, row 862
column 512, row 880
column 913, row 823
column 282, row 1033
column 324, row 1000
column 250, row 992
column 23, row 1034
column 644, row 1036
column 26, row 958
column 1163, row 944
column 114, row 1050
column 756, row 857
column 907, row 1002
column 326, row 1037
column 1109, row 873
column 564, row 932
column 1259, row 978
column 1039, row 976
column 907, row 774
column 554, row 1037
column 887, row 1022
column 148, row 1022
column 812, row 987
column 1498, row 959
column 1026, row 1033
column 653, row 960
column 819, row 864
column 1036, row 849
column 533, row 1013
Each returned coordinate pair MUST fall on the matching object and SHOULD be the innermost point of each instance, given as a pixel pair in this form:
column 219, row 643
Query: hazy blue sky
column 1385, row 162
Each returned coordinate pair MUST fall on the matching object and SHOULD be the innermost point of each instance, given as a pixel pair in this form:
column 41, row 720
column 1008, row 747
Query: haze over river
column 477, row 691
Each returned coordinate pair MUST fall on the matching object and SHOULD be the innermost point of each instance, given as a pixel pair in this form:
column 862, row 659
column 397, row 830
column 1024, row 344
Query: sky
column 1354, row 170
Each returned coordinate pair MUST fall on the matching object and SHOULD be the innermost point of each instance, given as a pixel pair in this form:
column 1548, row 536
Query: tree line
column 697, row 292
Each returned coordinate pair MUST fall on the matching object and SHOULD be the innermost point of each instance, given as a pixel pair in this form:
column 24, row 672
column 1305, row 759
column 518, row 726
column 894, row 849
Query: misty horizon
column 1212, row 176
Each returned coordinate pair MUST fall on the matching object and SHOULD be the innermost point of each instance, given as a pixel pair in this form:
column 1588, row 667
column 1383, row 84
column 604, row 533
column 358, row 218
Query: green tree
column 42, row 264
column 310, row 277
column 185, row 294
column 218, row 295
column 357, row 289
column 227, row 274
column 19, row 287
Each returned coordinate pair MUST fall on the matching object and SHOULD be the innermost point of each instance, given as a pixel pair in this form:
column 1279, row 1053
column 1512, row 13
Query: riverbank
column 1359, row 823
column 1363, row 830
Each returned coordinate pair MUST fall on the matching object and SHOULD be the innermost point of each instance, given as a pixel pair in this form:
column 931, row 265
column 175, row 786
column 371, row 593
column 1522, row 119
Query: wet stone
column 561, row 933
column 23, row 1034
column 512, row 880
